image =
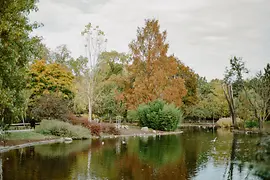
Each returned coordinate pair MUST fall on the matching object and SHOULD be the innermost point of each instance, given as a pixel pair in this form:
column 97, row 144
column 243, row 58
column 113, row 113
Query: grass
column 28, row 136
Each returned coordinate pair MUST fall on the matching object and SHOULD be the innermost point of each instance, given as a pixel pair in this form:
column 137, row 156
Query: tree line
column 44, row 83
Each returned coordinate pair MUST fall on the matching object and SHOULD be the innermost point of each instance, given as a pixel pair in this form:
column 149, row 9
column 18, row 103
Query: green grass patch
column 28, row 136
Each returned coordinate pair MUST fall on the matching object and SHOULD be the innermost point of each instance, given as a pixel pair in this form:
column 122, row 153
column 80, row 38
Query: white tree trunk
column 89, row 110
column 95, row 39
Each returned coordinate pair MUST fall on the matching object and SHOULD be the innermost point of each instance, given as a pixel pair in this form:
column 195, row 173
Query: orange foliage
column 153, row 74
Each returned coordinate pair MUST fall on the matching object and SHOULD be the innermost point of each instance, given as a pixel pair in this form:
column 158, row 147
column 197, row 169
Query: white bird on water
column 102, row 143
column 214, row 140
column 123, row 142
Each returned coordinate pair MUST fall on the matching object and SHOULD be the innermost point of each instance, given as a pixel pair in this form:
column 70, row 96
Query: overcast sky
column 204, row 34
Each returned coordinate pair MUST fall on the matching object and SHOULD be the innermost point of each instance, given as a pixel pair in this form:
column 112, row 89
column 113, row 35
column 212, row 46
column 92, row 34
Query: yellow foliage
column 47, row 78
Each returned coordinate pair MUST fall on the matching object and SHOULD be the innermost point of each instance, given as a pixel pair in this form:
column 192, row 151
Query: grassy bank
column 18, row 136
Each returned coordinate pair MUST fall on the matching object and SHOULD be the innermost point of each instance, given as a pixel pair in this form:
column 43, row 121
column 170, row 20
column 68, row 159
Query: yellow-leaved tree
column 50, row 78
column 50, row 86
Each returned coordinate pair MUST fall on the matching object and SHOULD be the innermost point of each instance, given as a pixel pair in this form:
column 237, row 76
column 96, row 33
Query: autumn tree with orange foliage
column 152, row 74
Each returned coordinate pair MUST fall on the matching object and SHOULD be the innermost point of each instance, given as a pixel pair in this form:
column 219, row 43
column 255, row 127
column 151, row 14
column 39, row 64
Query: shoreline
column 19, row 146
column 247, row 131
column 61, row 140
column 141, row 135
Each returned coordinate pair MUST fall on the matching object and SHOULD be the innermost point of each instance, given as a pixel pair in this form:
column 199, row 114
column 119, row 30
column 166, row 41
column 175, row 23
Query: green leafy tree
column 212, row 103
column 78, row 66
column 191, row 83
column 17, row 48
column 259, row 95
column 110, row 68
column 61, row 55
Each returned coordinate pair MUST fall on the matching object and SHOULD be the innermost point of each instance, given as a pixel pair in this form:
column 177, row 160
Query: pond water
column 191, row 155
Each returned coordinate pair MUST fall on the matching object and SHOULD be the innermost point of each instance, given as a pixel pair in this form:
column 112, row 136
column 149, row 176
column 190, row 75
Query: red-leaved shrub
column 95, row 128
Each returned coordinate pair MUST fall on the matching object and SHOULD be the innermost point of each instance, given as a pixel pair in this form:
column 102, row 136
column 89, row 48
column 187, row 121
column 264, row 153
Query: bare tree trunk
column 228, row 92
column 23, row 117
column 234, row 118
column 260, row 124
column 90, row 97
column 213, row 126
column 110, row 117
column 89, row 110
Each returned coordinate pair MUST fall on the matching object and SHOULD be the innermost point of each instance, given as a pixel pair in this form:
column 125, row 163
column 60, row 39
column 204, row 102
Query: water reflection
column 192, row 155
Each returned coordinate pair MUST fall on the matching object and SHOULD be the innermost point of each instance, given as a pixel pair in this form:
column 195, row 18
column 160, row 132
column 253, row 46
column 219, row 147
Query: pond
column 191, row 155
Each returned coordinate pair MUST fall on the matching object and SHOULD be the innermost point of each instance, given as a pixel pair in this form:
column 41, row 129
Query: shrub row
column 96, row 129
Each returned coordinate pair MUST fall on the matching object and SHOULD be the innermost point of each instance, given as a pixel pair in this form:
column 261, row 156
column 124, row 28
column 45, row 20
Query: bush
column 251, row 124
column 63, row 129
column 227, row 122
column 159, row 115
column 50, row 106
column 132, row 116
column 95, row 128
column 98, row 128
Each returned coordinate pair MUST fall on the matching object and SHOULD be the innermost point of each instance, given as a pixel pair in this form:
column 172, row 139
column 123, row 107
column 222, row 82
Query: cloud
column 85, row 6
column 204, row 34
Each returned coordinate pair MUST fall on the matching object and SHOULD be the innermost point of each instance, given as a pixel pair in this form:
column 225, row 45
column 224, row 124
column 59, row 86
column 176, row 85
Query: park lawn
column 29, row 135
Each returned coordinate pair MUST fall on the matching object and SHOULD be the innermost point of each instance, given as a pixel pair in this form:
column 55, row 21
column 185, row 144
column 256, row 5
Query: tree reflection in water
column 191, row 155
